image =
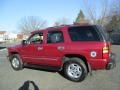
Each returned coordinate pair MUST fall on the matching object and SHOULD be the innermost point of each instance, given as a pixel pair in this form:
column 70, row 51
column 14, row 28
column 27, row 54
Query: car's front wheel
column 75, row 70
column 16, row 62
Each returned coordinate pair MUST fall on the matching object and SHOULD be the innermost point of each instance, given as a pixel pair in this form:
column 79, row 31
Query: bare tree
column 114, row 14
column 104, row 11
column 92, row 12
column 63, row 21
column 115, row 8
column 31, row 23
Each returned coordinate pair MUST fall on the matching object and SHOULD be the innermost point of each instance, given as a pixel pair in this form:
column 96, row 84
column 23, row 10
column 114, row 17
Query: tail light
column 105, row 52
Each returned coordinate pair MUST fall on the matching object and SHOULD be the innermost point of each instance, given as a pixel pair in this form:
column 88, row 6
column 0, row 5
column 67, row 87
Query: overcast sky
column 11, row 11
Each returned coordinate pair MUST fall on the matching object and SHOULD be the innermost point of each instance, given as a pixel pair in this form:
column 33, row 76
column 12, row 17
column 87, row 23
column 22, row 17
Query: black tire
column 15, row 59
column 79, row 71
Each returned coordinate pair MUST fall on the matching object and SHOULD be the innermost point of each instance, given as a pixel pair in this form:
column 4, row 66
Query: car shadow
column 61, row 73
column 40, row 69
column 26, row 86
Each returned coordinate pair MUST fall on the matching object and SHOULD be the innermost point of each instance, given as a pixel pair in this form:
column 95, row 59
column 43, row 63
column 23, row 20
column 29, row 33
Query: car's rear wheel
column 75, row 70
column 16, row 62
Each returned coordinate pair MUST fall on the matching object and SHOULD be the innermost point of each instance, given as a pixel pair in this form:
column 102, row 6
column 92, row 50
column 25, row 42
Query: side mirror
column 24, row 42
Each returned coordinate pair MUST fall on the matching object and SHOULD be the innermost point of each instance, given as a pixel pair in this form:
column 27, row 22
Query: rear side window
column 83, row 33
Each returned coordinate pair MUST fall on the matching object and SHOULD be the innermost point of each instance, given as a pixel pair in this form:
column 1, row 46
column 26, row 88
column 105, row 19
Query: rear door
column 54, row 48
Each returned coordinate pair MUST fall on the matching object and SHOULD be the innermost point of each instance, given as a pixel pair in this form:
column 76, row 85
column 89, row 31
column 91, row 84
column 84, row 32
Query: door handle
column 60, row 48
column 40, row 48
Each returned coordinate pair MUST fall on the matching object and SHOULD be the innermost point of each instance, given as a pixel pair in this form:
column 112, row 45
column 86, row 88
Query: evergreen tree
column 80, row 18
column 114, row 24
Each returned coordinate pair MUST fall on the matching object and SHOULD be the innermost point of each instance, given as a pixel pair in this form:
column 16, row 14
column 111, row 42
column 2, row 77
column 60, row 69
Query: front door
column 31, row 52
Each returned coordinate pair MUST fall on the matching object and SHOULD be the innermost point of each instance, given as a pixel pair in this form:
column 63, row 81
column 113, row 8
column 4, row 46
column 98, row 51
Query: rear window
column 83, row 33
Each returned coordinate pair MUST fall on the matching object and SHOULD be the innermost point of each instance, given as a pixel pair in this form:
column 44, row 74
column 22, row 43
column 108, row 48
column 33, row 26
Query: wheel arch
column 67, row 56
column 16, row 55
column 12, row 53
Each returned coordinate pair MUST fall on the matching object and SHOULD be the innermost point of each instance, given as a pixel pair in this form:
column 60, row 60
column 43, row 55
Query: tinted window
column 55, row 37
column 83, row 33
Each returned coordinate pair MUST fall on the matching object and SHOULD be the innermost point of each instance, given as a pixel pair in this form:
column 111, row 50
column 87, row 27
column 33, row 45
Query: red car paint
column 52, row 54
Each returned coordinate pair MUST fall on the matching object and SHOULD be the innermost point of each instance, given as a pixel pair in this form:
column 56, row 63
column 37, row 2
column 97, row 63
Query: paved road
column 15, row 80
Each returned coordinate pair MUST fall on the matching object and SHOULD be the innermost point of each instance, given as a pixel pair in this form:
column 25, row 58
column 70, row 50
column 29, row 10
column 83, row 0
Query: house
column 6, row 36
column 2, row 36
column 22, row 37
column 11, row 36
column 19, row 36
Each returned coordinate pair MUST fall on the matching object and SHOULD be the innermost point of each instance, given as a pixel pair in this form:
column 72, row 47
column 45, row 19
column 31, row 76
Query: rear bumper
column 112, row 63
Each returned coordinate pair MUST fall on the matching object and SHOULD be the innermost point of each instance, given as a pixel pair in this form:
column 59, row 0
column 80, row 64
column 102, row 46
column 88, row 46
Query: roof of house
column 2, row 32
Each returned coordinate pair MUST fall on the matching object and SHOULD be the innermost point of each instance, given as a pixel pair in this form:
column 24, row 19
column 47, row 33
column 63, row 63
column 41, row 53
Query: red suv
column 74, row 50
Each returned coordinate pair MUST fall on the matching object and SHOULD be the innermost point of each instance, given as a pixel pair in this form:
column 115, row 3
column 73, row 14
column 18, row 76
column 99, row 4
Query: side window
column 36, row 38
column 55, row 37
column 83, row 33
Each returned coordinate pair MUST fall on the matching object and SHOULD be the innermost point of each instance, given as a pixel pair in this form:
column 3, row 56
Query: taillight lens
column 105, row 52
